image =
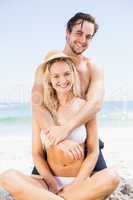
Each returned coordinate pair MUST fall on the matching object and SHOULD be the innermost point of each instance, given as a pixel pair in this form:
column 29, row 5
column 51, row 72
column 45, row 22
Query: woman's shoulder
column 70, row 110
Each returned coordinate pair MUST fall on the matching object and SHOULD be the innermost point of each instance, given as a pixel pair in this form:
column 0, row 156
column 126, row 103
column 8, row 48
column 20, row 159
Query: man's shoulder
column 38, row 75
column 89, row 62
column 92, row 65
column 39, row 70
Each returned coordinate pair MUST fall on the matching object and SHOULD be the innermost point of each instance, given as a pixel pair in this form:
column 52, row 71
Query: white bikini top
column 78, row 135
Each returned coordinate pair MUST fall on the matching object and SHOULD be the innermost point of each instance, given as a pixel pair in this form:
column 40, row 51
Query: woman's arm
column 92, row 151
column 39, row 160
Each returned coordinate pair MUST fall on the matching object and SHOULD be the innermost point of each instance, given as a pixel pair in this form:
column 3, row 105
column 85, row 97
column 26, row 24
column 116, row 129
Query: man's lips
column 81, row 45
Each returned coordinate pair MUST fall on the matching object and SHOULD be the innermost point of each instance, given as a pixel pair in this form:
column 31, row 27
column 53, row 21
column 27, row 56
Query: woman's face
column 61, row 77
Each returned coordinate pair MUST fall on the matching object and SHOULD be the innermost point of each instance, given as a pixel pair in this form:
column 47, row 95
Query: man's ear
column 67, row 33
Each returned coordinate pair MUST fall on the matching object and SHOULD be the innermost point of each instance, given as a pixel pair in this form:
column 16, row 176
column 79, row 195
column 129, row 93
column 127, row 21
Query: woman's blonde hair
column 50, row 97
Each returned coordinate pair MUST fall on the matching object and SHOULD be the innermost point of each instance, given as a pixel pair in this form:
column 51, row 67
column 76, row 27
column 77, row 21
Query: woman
column 67, row 173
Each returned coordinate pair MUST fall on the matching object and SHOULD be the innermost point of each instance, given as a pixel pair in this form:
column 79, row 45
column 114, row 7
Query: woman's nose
column 62, row 79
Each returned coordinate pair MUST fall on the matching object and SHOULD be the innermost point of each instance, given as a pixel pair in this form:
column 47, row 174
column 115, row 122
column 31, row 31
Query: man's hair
column 83, row 17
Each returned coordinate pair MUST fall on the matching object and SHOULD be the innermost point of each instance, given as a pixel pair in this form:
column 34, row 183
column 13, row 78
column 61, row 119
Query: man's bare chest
column 84, row 76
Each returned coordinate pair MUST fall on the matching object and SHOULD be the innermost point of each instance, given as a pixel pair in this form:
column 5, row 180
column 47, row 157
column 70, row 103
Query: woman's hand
column 53, row 186
column 73, row 149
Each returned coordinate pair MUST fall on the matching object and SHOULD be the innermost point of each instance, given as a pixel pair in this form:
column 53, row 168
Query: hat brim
column 54, row 57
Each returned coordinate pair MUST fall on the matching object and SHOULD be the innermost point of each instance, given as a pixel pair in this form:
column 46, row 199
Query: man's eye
column 89, row 37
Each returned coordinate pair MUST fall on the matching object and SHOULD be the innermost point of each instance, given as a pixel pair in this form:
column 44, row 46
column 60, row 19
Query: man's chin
column 78, row 52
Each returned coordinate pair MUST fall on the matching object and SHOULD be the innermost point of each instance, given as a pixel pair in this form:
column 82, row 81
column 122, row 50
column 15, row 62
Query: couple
column 65, row 95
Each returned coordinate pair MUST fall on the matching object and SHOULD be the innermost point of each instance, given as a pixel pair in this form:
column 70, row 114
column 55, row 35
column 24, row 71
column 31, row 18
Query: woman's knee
column 6, row 175
column 113, row 177
column 10, row 173
column 9, row 181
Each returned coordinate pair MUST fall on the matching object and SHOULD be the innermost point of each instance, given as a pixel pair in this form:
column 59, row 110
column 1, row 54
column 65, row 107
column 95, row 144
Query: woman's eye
column 67, row 74
column 56, row 77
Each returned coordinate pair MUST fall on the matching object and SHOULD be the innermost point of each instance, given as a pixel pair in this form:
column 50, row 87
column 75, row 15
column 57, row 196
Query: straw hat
column 51, row 55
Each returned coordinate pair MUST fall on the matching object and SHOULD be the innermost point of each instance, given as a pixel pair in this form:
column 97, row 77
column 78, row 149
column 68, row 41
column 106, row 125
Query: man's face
column 80, row 37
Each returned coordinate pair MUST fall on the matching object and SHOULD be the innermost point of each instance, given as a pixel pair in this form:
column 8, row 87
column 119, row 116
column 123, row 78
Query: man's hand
column 56, row 134
column 73, row 149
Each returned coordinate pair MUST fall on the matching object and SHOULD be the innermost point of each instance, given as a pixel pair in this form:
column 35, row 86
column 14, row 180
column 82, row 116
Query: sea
column 15, row 118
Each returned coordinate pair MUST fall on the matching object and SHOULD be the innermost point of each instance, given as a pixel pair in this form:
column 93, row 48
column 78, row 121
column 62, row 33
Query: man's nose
column 83, row 39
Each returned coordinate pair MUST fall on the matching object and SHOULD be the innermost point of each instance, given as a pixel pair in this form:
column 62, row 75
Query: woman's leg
column 97, row 187
column 24, row 187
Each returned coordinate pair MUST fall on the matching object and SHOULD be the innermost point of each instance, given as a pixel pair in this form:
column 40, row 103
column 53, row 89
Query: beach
column 15, row 152
column 16, row 138
column 118, row 149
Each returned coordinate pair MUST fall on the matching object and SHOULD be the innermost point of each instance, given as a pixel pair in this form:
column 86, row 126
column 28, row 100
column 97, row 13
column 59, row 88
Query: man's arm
column 43, row 116
column 93, row 103
column 94, row 99
column 41, row 113
column 37, row 89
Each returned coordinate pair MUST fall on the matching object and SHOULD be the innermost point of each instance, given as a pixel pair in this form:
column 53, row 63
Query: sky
column 29, row 29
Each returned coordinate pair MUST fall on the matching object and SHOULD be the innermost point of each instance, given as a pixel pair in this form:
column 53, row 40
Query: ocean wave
column 14, row 119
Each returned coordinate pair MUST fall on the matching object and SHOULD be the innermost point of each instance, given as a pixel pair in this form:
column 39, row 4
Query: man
column 80, row 31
